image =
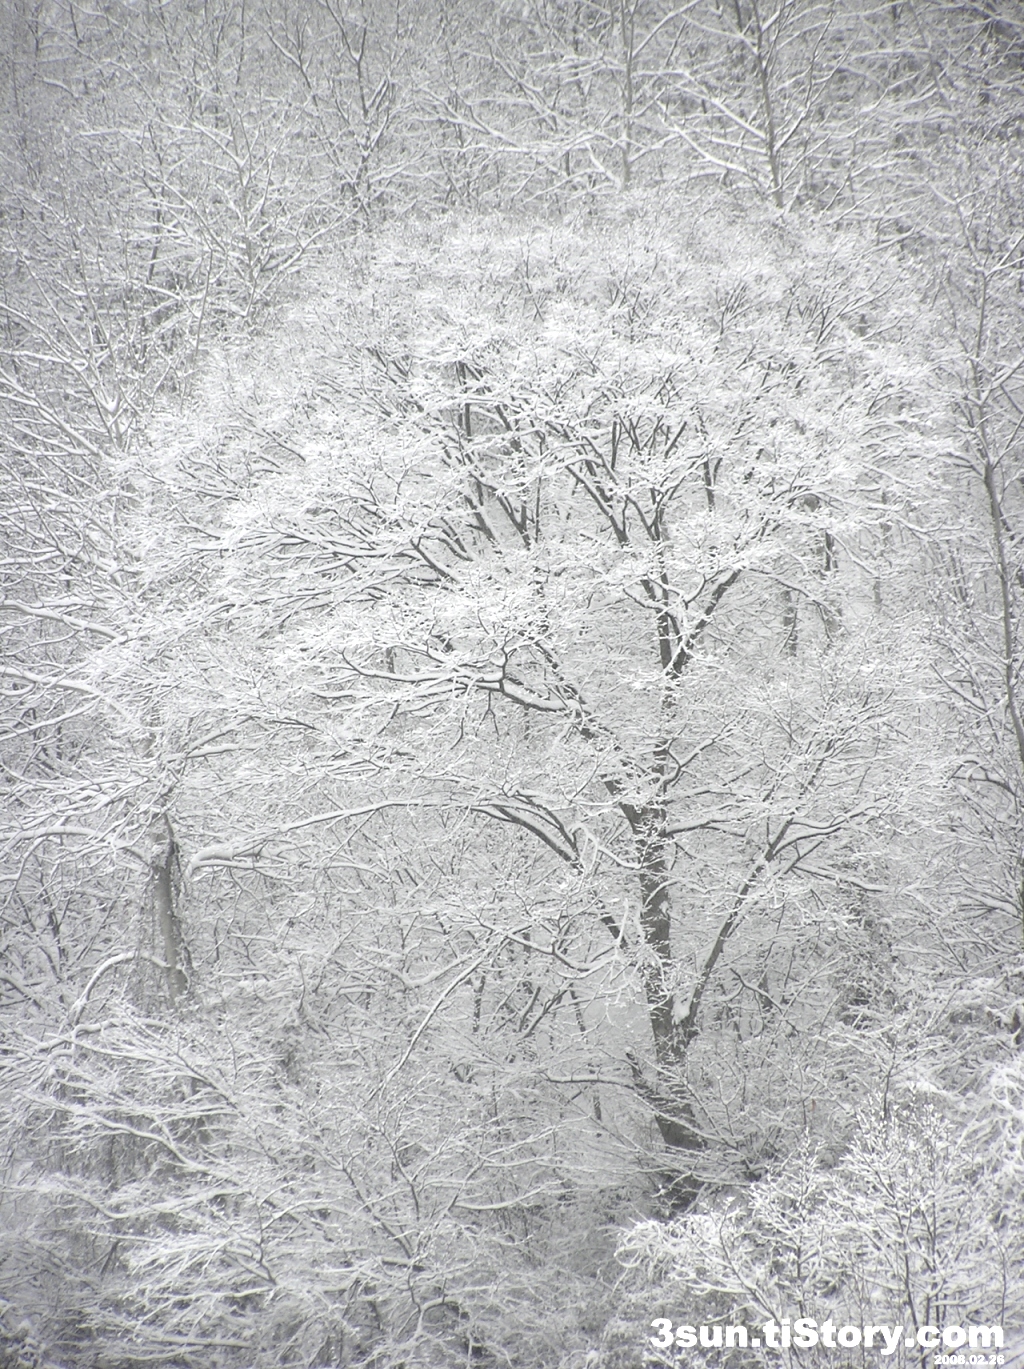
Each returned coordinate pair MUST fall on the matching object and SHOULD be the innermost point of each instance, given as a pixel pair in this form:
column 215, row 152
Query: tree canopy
column 513, row 760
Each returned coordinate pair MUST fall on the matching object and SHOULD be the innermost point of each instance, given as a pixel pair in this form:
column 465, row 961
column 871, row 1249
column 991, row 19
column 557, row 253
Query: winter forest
column 512, row 673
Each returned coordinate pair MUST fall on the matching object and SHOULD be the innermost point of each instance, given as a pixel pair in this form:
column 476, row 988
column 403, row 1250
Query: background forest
column 512, row 599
